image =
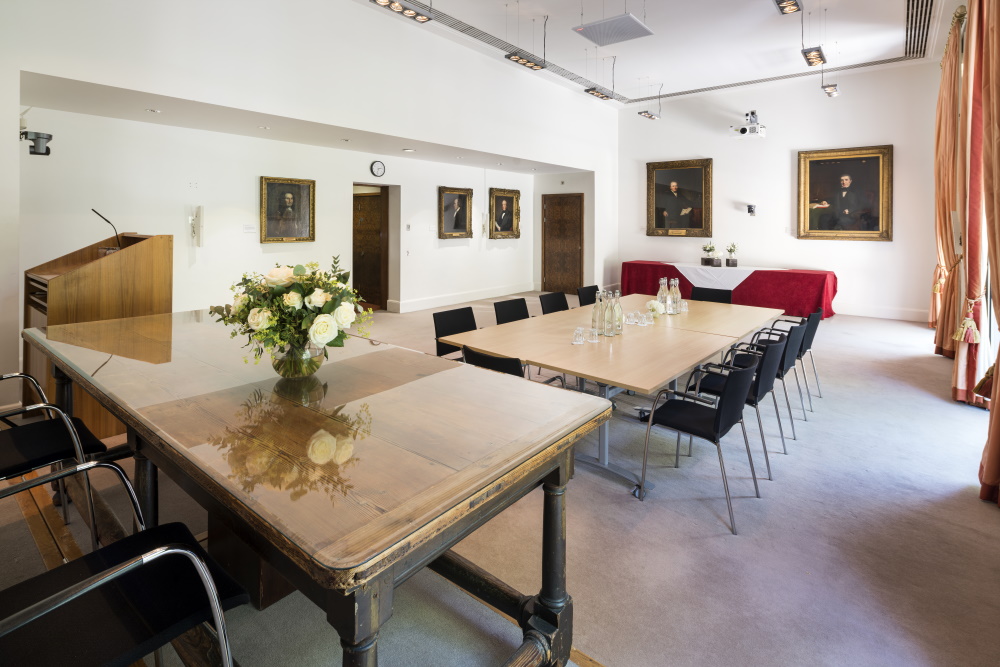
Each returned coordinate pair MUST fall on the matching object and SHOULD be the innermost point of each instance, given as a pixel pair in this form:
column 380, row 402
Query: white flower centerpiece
column 295, row 313
column 655, row 307
column 708, row 248
column 710, row 258
column 731, row 249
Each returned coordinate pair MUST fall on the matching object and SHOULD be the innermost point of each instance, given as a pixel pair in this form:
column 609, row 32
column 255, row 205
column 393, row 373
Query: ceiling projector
column 752, row 128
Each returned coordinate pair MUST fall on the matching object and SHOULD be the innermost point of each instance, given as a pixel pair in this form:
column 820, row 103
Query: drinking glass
column 578, row 336
column 640, row 319
column 592, row 336
column 684, row 306
column 630, row 318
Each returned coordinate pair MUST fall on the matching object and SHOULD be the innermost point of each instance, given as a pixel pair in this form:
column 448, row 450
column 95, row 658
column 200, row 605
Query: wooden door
column 370, row 272
column 562, row 243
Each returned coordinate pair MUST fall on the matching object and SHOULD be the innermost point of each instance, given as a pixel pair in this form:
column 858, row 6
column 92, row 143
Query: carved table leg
column 357, row 618
column 146, row 481
column 64, row 399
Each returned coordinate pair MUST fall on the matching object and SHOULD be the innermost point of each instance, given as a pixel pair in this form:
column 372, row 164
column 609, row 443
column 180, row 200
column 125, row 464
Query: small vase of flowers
column 295, row 313
column 710, row 259
column 731, row 249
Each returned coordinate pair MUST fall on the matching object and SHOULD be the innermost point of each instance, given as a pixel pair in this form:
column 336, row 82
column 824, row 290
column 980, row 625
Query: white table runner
column 718, row 277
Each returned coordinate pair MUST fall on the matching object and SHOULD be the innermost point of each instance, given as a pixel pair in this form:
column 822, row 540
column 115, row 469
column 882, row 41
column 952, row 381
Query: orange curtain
column 946, row 178
column 986, row 29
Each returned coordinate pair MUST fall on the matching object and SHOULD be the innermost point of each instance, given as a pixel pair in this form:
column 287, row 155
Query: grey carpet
column 870, row 547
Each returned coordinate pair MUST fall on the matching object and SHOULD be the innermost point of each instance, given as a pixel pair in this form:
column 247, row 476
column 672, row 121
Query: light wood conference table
column 643, row 359
column 344, row 484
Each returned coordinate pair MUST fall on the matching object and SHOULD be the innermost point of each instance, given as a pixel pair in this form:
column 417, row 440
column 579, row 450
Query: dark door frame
column 579, row 278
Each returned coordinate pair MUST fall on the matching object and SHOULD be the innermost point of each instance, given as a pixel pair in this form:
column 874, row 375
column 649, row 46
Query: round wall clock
column 378, row 169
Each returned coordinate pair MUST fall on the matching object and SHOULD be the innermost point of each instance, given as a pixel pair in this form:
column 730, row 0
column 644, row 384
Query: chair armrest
column 693, row 397
column 28, row 378
column 73, row 470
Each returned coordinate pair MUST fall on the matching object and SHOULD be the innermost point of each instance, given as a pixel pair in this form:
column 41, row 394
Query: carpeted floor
column 870, row 547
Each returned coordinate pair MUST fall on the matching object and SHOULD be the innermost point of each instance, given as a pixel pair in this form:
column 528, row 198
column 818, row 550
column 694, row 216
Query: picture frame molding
column 442, row 213
column 265, row 181
column 515, row 232
column 705, row 164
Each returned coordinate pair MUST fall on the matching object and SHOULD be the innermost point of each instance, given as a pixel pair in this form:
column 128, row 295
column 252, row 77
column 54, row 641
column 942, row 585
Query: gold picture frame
column 845, row 194
column 454, row 213
column 679, row 198
column 287, row 210
column 505, row 214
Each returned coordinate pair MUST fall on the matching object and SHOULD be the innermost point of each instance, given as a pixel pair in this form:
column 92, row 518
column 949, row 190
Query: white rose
column 344, row 315
column 345, row 449
column 280, row 276
column 323, row 330
column 655, row 307
column 239, row 301
column 317, row 298
column 293, row 300
column 259, row 319
column 322, row 447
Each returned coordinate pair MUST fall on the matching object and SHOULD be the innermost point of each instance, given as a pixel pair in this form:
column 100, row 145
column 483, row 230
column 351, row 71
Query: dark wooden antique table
column 346, row 483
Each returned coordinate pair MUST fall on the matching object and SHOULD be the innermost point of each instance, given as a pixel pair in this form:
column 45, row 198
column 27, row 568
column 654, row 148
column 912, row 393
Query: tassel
column 967, row 332
column 985, row 386
column 937, row 287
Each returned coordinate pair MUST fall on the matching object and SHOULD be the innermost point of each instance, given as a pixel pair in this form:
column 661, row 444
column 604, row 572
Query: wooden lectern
column 88, row 285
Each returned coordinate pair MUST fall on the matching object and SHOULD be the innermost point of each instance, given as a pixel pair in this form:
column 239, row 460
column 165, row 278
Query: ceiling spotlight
column 814, row 56
column 598, row 93
column 831, row 90
column 526, row 59
column 650, row 115
column 263, row 127
column 154, row 111
column 409, row 150
column 788, row 6
column 417, row 15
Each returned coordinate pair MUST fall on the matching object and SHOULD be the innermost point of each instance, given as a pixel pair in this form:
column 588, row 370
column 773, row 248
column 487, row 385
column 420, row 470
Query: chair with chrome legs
column 767, row 357
column 793, row 342
column 587, row 295
column 511, row 310
column 36, row 444
column 450, row 322
column 696, row 416
column 508, row 365
column 117, row 604
column 812, row 325
column 553, row 302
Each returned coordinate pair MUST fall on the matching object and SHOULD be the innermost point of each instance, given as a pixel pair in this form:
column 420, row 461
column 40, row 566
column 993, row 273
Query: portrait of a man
column 843, row 194
column 454, row 213
column 505, row 214
column 287, row 210
column 679, row 198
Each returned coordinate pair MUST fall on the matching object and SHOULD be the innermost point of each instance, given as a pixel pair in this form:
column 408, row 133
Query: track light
column 401, row 8
column 525, row 59
column 814, row 56
column 788, row 6
column 831, row 90
column 598, row 93
column 650, row 115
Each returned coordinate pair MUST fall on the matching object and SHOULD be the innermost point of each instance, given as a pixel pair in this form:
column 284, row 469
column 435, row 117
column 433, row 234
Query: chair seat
column 713, row 384
column 687, row 416
column 36, row 444
column 124, row 620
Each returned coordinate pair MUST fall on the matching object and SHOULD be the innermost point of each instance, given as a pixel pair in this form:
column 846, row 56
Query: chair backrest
column 792, row 344
column 508, row 365
column 767, row 366
column 587, row 295
column 553, row 302
column 732, row 399
column 711, row 294
column 511, row 310
column 448, row 322
column 812, row 324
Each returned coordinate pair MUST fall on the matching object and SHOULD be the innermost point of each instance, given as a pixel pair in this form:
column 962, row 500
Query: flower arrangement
column 296, row 313
column 709, row 248
column 655, row 307
column 732, row 248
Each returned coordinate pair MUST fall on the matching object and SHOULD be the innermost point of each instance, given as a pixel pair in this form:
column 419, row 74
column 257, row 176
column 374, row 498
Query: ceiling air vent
column 614, row 30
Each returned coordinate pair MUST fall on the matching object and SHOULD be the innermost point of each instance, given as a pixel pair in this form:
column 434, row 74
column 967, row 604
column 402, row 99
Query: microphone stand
column 118, row 238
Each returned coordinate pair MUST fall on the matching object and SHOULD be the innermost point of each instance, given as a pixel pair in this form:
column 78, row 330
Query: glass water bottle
column 609, row 315
column 619, row 315
column 597, row 319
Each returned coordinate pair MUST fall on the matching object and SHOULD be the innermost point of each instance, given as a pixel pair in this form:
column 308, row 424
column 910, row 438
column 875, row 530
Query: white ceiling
column 696, row 44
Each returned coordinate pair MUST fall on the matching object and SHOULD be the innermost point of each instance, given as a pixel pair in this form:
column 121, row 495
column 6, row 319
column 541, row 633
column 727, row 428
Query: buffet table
column 798, row 292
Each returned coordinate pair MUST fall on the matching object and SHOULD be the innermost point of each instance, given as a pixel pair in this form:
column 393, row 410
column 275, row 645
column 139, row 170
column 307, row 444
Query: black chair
column 553, row 302
column 587, row 295
column 449, row 322
column 711, row 294
column 29, row 446
column 792, row 344
column 509, row 365
column 511, row 310
column 768, row 356
column 696, row 416
column 812, row 325
column 117, row 604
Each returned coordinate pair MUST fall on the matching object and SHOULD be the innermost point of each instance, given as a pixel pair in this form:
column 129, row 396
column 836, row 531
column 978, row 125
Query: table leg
column 146, row 481
column 603, row 459
column 64, row 399
column 357, row 618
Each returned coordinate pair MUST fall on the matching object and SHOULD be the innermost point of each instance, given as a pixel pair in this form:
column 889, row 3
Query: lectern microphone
column 118, row 238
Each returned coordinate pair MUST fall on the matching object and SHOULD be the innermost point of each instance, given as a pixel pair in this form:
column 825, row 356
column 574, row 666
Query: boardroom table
column 644, row 359
column 345, row 483
column 798, row 292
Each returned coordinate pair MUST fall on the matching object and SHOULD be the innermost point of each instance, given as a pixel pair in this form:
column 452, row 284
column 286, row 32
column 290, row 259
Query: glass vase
column 294, row 361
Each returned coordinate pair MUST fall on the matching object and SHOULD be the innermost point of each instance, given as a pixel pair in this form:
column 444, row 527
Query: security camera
column 39, row 142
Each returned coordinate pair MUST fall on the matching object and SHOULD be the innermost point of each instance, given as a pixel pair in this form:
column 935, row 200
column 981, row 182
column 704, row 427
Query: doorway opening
column 370, row 260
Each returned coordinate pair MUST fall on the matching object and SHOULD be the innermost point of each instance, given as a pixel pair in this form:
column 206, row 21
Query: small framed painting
column 287, row 210
column 846, row 194
column 679, row 198
column 505, row 214
column 454, row 213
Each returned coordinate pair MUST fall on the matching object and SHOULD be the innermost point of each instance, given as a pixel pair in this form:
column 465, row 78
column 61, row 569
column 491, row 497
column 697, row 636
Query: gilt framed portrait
column 287, row 210
column 505, row 214
column 679, row 198
column 454, row 213
column 846, row 194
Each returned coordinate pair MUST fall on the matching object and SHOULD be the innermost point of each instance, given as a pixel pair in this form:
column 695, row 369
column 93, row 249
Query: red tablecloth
column 797, row 291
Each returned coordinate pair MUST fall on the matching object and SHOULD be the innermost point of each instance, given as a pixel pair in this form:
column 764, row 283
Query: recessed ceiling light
column 263, row 127
column 499, row 164
column 409, row 150
column 345, row 139
column 153, row 110
column 533, row 169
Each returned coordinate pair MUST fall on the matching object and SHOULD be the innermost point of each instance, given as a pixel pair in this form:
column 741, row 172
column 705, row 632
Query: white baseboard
column 455, row 298
column 885, row 313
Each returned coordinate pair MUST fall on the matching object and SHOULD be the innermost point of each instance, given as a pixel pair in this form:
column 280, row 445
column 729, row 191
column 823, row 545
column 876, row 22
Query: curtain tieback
column 967, row 331
column 942, row 275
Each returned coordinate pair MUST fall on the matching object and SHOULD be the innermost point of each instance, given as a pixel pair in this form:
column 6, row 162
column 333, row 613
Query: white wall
column 148, row 178
column 887, row 106
column 10, row 278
